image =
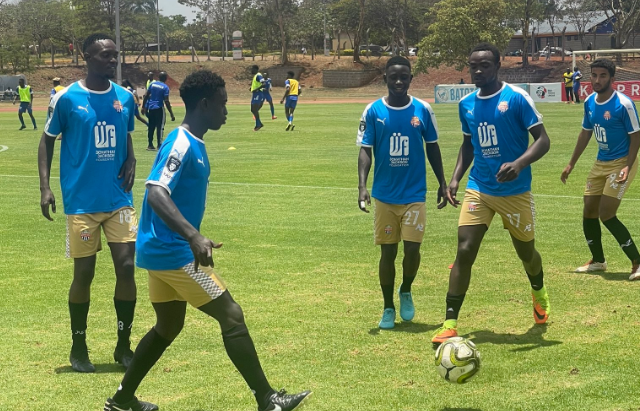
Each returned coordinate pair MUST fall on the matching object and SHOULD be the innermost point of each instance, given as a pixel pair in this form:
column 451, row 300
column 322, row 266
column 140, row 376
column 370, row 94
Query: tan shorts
column 83, row 231
column 185, row 284
column 395, row 222
column 603, row 175
column 518, row 212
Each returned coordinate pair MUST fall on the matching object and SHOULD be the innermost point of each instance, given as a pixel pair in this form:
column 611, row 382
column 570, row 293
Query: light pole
column 119, row 66
column 158, row 25
column 209, row 22
column 224, row 15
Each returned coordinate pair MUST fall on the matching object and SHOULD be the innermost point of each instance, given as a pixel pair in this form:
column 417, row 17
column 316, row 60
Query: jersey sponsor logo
column 488, row 139
column 173, row 164
column 105, row 135
column 363, row 126
column 415, row 121
column 398, row 150
column 601, row 136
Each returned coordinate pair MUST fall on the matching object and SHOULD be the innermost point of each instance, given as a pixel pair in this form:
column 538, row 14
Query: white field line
column 3, row 148
column 223, row 183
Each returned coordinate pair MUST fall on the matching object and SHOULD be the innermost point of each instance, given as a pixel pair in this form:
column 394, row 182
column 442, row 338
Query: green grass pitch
column 299, row 257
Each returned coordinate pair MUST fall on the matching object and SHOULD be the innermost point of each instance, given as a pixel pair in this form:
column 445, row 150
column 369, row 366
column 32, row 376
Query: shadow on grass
column 619, row 276
column 530, row 340
column 406, row 327
column 460, row 409
column 100, row 369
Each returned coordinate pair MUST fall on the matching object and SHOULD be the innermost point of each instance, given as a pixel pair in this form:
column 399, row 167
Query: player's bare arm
column 581, row 145
column 634, row 144
column 162, row 204
column 435, row 160
column 286, row 94
column 540, row 147
column 465, row 158
column 168, row 104
column 45, row 157
column 128, row 169
column 364, row 165
column 144, row 103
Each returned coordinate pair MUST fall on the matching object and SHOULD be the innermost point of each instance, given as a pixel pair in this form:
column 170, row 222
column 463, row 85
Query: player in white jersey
column 613, row 118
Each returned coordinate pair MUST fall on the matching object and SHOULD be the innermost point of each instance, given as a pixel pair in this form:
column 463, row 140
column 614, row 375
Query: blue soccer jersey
column 611, row 122
column 94, row 127
column 499, row 127
column 181, row 168
column 158, row 92
column 267, row 86
column 397, row 136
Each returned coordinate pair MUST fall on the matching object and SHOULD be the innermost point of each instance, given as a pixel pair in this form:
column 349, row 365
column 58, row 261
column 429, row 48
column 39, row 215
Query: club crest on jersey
column 607, row 115
column 85, row 235
column 173, row 164
column 415, row 121
column 503, row 107
column 388, row 230
column 117, row 105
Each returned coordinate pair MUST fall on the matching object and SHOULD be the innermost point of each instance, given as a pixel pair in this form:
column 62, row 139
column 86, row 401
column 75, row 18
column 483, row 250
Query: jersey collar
column 504, row 84
column 398, row 108
column 189, row 133
column 82, row 86
column 608, row 100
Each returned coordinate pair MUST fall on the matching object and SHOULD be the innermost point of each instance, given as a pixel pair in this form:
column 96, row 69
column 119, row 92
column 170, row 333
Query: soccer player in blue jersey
column 496, row 122
column 257, row 96
column 179, row 258
column 396, row 129
column 291, row 94
column 267, row 94
column 155, row 100
column 613, row 118
column 97, row 171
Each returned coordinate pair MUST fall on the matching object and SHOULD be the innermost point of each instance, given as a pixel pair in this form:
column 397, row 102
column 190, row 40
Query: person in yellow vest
column 568, row 85
column 25, row 94
column 56, row 88
column 291, row 95
column 257, row 96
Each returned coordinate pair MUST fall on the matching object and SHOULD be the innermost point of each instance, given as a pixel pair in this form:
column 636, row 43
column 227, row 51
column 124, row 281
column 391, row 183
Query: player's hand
column 442, row 196
column 623, row 175
column 508, row 172
column 282, row 101
column 47, row 198
column 144, row 111
column 364, row 199
column 173, row 118
column 451, row 193
column 128, row 174
column 565, row 173
column 202, row 247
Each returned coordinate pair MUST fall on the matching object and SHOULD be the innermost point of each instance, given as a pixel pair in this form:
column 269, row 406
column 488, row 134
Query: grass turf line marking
column 3, row 148
column 224, row 183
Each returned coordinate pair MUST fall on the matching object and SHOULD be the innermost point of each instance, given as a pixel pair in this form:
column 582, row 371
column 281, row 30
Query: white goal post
column 596, row 52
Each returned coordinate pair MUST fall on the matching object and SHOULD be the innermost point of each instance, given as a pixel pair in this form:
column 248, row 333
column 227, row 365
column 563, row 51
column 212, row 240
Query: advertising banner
column 546, row 92
column 630, row 88
column 453, row 93
column 236, row 43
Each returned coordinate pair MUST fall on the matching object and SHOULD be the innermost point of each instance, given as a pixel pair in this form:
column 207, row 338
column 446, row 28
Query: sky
column 172, row 7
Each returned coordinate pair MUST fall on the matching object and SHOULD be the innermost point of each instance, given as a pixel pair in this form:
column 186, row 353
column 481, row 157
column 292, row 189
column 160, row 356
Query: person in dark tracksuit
column 156, row 98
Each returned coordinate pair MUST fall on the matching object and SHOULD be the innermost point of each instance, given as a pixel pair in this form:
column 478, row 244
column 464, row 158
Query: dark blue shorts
column 257, row 97
column 290, row 103
column 267, row 96
column 25, row 107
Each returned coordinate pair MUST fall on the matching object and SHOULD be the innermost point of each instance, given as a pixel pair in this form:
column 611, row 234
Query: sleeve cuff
column 634, row 131
column 466, row 134
column 431, row 142
column 533, row 125
column 588, row 129
column 49, row 134
column 158, row 183
column 364, row 145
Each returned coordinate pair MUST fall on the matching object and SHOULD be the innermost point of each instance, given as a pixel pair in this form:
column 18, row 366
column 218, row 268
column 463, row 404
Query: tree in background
column 521, row 14
column 580, row 13
column 624, row 16
column 458, row 26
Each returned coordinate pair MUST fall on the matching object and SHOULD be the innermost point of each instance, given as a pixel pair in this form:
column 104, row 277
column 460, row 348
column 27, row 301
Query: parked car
column 517, row 53
column 372, row 49
column 413, row 51
column 555, row 51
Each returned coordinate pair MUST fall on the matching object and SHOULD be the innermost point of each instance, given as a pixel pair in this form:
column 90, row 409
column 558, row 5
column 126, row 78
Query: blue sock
column 33, row 120
column 272, row 112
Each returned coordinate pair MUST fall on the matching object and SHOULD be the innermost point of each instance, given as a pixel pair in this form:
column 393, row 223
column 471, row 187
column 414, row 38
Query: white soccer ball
column 457, row 360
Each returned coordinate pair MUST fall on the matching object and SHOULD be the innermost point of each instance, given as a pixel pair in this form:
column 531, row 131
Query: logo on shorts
column 607, row 115
column 503, row 107
column 117, row 105
column 473, row 207
column 85, row 235
column 420, row 227
column 388, row 229
column 173, row 164
column 589, row 185
column 415, row 121
column 527, row 227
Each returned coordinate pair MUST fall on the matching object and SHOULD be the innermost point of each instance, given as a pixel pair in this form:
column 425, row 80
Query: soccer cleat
column 80, row 362
column 23, row 127
column 151, row 148
column 281, row 401
column 123, row 356
column 256, row 128
column 541, row 305
column 407, row 310
column 292, row 126
column 288, row 127
column 635, row 272
column 273, row 117
column 388, row 319
column 448, row 330
column 35, row 128
column 592, row 267
column 133, row 405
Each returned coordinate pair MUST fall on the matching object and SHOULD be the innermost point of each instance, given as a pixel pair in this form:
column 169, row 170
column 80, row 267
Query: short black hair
column 398, row 61
column 291, row 74
column 88, row 42
column 163, row 76
column 126, row 83
column 255, row 67
column 488, row 47
column 198, row 85
column 605, row 64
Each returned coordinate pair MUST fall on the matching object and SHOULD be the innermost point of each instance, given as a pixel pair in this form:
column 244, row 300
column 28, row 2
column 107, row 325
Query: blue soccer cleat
column 388, row 319
column 407, row 310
